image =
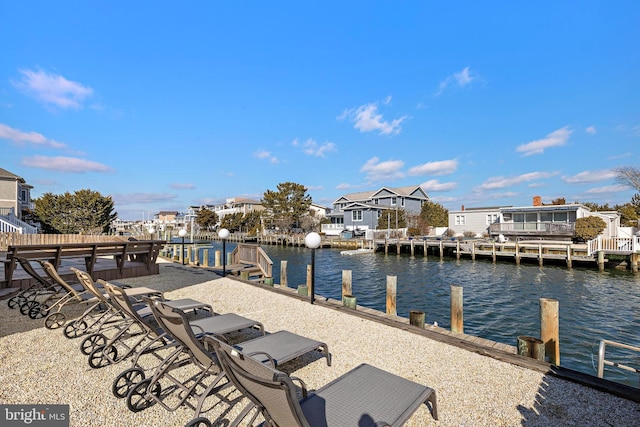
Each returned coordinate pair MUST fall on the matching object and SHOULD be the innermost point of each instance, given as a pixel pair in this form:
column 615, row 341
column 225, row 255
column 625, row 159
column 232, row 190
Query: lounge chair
column 278, row 348
column 26, row 299
column 364, row 396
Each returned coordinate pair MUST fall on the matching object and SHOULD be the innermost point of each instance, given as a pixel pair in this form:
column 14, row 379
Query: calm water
column 501, row 301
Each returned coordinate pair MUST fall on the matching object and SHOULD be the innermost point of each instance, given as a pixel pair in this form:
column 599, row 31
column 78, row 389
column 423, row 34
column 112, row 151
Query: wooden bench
column 142, row 251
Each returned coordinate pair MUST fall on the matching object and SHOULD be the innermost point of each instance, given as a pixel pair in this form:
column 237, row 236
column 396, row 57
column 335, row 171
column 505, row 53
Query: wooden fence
column 15, row 239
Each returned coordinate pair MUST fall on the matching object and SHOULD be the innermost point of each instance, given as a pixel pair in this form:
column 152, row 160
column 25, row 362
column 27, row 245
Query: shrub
column 469, row 234
column 589, row 227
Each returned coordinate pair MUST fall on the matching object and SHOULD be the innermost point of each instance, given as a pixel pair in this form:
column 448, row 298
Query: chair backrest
column 121, row 302
column 87, row 282
column 28, row 268
column 271, row 390
column 175, row 323
column 53, row 274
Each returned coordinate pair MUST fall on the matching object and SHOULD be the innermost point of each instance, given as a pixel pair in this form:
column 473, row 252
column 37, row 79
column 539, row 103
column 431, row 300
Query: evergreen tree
column 388, row 219
column 206, row 218
column 83, row 212
column 285, row 207
column 432, row 214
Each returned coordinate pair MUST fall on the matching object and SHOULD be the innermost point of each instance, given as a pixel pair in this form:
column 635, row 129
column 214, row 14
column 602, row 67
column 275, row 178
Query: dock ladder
column 602, row 361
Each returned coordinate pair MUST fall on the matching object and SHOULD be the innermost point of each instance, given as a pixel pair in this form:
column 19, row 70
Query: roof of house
column 399, row 191
column 5, row 174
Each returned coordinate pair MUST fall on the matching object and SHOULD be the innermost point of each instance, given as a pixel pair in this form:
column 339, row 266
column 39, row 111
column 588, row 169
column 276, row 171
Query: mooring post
column 425, row 248
column 416, row 318
column 517, row 253
column 458, row 250
column 217, row 262
column 549, row 328
column 569, row 262
column 392, row 285
column 309, row 273
column 413, row 253
column 283, row 273
column 540, row 260
column 175, row 252
column 457, row 317
column 473, row 251
column 346, row 283
column 634, row 262
column 386, row 246
column 205, row 257
column 493, row 252
column 441, row 250
column 601, row 260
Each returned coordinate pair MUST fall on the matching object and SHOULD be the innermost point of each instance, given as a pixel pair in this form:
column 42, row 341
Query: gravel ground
column 41, row 366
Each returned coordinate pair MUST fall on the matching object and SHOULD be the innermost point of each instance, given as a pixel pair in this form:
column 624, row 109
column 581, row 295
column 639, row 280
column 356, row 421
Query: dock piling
column 392, row 286
column 457, row 317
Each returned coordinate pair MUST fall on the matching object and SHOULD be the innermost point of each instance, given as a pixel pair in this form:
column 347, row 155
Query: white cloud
column 312, row 148
column 442, row 167
column 136, row 198
column 263, row 154
column 434, row 186
column 179, row 186
column 587, row 177
column 65, row 164
column 461, row 78
column 53, row 89
column 496, row 182
column 366, row 118
column 16, row 135
column 379, row 171
column 591, row 130
column 607, row 189
column 344, row 186
column 554, row 139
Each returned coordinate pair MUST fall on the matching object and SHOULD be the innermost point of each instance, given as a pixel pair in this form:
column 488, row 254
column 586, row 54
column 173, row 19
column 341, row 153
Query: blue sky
column 163, row 105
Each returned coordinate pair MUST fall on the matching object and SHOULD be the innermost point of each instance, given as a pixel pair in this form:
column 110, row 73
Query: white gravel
column 41, row 366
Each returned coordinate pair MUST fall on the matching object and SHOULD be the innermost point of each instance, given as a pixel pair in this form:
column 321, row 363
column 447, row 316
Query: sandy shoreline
column 42, row 366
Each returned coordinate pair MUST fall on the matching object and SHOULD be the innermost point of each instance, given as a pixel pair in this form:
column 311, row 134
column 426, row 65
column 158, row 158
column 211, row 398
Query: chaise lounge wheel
column 54, row 320
column 42, row 310
column 75, row 329
column 92, row 342
column 198, row 422
column 138, row 400
column 28, row 306
column 16, row 301
column 102, row 356
column 126, row 381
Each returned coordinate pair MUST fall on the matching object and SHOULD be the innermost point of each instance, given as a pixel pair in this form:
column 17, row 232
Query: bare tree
column 628, row 175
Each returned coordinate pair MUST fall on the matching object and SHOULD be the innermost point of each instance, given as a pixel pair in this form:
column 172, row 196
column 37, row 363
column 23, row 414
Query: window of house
column 376, row 201
column 356, row 215
column 402, row 201
column 546, row 217
column 394, row 201
column 559, row 217
column 491, row 218
column 460, row 220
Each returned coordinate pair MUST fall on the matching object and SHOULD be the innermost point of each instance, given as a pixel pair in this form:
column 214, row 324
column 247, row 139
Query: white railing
column 602, row 361
column 9, row 223
column 332, row 229
column 613, row 244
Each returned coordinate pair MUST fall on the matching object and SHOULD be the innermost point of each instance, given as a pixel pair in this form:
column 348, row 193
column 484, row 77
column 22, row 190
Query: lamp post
column 182, row 233
column 312, row 241
column 223, row 234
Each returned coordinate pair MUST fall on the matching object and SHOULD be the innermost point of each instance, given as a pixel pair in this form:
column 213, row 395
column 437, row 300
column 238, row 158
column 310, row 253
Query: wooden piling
column 283, row 273
column 346, row 283
column 413, row 253
column 392, row 286
column 205, row 257
column 441, row 250
column 601, row 260
column 217, row 259
column 473, row 251
column 458, row 250
column 517, row 253
column 549, row 328
column 634, row 262
column 493, row 252
column 425, row 248
column 457, row 318
column 386, row 246
column 540, row 259
column 416, row 318
column 569, row 261
column 309, row 274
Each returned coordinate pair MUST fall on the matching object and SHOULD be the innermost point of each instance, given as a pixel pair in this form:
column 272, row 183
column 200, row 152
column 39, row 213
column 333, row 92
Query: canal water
column 501, row 300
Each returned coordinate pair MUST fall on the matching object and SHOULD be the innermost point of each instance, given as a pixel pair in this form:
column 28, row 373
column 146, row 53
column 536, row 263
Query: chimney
column 462, row 208
column 537, row 201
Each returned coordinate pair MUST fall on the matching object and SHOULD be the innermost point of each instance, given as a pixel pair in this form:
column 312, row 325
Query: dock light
column 182, row 233
column 312, row 241
column 224, row 234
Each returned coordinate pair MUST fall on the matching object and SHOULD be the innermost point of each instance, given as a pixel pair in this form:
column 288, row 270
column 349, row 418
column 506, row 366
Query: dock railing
column 603, row 361
column 613, row 244
column 253, row 254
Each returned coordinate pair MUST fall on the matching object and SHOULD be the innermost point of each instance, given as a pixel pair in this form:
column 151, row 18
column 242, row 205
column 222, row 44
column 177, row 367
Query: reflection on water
column 501, row 301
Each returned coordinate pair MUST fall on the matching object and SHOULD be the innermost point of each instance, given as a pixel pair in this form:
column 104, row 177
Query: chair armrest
column 302, row 385
column 271, row 361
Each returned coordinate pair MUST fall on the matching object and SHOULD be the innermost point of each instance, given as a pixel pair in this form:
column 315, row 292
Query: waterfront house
column 535, row 222
column 360, row 211
column 15, row 200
